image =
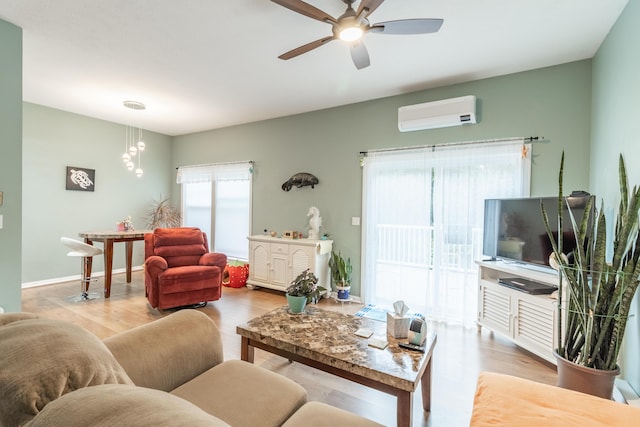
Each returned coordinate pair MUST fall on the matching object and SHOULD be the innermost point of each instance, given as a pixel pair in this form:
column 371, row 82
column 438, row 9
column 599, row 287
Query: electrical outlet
column 1, row 218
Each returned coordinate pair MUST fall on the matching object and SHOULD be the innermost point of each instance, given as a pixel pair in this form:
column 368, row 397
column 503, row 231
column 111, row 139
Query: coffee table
column 325, row 339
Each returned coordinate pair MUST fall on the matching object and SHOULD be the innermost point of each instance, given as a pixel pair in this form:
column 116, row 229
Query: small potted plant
column 303, row 289
column 341, row 274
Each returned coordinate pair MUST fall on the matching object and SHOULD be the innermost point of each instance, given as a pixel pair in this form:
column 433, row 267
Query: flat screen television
column 514, row 229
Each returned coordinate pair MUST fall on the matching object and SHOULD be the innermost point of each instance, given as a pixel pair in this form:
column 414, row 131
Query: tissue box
column 398, row 327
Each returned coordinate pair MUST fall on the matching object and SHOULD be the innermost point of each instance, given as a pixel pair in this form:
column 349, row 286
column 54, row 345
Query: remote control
column 412, row 346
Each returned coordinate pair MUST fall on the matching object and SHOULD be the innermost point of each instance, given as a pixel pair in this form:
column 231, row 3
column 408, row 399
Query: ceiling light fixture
column 349, row 24
column 134, row 144
column 351, row 34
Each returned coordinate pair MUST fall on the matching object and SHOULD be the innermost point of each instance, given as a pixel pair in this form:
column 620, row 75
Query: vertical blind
column 422, row 222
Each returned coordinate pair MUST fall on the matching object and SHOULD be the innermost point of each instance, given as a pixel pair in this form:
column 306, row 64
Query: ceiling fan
column 352, row 25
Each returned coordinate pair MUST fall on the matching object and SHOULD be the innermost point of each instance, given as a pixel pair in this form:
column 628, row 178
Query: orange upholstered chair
column 179, row 269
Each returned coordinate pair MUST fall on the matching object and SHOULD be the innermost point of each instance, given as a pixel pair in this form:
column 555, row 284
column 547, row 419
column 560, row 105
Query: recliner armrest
column 168, row 352
column 156, row 264
column 214, row 259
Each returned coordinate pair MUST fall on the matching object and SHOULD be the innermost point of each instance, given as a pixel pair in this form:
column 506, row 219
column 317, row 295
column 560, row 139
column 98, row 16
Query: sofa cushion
column 184, row 344
column 122, row 405
column 243, row 394
column 188, row 278
column 42, row 359
column 6, row 318
column 504, row 400
column 178, row 236
column 318, row 414
column 179, row 246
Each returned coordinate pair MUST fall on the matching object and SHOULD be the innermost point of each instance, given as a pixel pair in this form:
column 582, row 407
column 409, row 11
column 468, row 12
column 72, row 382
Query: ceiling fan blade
column 407, row 26
column 306, row 9
column 306, row 48
column 359, row 54
column 370, row 5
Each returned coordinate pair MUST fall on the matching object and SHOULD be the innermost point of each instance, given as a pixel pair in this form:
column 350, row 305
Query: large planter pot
column 595, row 382
column 296, row 304
column 343, row 292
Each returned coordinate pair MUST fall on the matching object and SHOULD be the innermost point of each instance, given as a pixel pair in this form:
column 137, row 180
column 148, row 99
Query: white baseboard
column 73, row 278
column 626, row 393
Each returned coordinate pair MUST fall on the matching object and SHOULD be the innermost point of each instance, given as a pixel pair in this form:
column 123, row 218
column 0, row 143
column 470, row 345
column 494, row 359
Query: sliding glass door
column 422, row 218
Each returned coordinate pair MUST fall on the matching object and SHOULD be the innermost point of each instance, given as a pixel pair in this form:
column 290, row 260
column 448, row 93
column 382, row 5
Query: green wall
column 615, row 130
column 10, row 165
column 551, row 102
column 55, row 139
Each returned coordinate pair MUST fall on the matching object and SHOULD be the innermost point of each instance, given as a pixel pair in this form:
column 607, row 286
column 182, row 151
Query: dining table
column 108, row 238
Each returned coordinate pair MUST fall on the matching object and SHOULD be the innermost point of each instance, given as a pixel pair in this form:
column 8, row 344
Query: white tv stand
column 530, row 321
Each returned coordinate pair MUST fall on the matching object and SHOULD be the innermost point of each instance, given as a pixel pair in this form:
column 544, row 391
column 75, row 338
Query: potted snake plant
column 599, row 290
column 341, row 274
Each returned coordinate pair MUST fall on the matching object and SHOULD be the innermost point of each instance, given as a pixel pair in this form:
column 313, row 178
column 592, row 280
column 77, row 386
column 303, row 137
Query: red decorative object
column 235, row 276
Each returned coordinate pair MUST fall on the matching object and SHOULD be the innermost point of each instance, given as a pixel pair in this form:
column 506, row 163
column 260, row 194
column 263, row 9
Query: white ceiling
column 204, row 64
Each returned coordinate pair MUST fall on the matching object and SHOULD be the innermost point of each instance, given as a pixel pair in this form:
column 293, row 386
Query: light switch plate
column 355, row 220
column 1, row 222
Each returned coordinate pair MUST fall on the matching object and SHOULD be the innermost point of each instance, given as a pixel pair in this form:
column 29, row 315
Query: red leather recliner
column 179, row 270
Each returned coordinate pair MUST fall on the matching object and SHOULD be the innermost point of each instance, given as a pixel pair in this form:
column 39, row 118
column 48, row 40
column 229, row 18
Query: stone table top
column 114, row 234
column 328, row 337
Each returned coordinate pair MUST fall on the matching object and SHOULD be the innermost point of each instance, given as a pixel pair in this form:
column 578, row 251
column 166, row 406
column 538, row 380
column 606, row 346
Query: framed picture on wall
column 81, row 179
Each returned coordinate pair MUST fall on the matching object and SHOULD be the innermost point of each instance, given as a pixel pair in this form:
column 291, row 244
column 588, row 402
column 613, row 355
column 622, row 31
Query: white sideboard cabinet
column 530, row 321
column 274, row 262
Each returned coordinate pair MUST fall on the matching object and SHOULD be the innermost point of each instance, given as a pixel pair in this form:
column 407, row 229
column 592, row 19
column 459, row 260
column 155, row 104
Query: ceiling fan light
column 350, row 34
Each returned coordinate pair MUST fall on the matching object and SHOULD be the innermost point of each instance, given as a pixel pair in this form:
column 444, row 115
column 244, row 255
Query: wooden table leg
column 405, row 409
column 108, row 264
column 129, row 249
column 246, row 350
column 426, row 387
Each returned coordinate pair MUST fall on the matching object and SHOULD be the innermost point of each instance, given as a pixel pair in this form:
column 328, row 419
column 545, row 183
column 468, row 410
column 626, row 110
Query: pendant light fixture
column 134, row 144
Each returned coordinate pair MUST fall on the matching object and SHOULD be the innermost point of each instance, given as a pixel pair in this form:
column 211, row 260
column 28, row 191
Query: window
column 217, row 199
column 422, row 216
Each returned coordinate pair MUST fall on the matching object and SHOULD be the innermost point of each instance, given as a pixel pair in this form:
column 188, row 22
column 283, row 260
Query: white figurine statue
column 314, row 223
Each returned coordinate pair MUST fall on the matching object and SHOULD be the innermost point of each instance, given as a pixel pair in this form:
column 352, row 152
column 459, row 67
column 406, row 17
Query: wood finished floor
column 459, row 356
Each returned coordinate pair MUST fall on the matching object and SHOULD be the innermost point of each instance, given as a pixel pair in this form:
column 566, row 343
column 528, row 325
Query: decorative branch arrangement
column 162, row 215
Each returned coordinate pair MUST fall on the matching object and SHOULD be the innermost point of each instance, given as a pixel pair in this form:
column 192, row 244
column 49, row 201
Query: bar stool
column 86, row 252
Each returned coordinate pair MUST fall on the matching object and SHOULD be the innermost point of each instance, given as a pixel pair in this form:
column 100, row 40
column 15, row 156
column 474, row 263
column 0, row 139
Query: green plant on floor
column 599, row 292
column 340, row 270
column 306, row 285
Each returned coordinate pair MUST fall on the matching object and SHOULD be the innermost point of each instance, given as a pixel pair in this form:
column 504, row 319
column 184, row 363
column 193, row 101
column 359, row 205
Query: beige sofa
column 169, row 372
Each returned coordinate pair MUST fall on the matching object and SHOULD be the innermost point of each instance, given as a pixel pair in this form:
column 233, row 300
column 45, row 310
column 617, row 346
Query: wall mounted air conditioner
column 437, row 114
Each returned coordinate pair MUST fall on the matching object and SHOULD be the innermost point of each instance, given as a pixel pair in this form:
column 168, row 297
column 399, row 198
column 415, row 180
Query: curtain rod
column 527, row 140
column 216, row 164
